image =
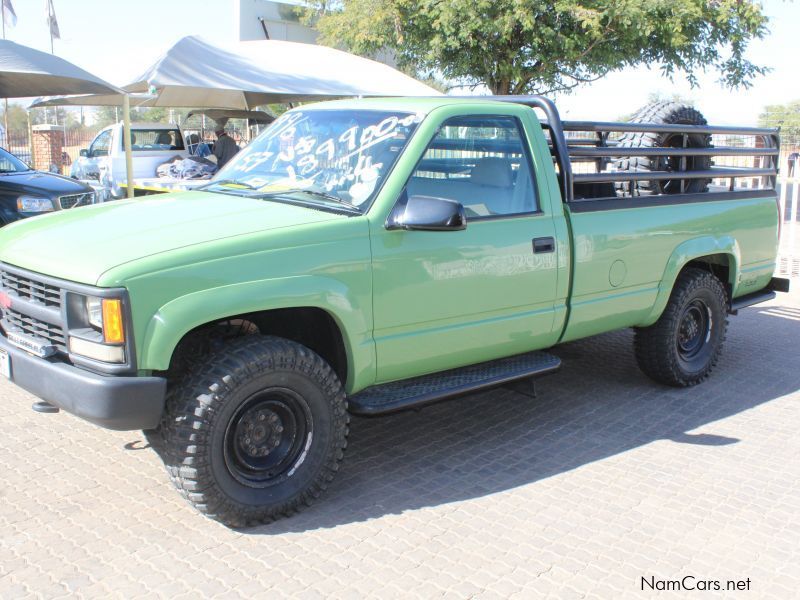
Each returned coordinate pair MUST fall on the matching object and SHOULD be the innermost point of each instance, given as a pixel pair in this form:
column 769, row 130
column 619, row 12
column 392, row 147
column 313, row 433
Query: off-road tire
column 659, row 351
column 198, row 440
column 664, row 113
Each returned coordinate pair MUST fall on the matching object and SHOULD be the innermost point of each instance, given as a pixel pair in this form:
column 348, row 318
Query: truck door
column 444, row 299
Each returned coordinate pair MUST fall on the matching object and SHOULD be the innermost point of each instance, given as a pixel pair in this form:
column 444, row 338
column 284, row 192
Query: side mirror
column 427, row 213
column 84, row 152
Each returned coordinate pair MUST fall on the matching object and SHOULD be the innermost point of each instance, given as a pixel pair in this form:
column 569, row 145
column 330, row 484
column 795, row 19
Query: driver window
column 101, row 144
column 479, row 161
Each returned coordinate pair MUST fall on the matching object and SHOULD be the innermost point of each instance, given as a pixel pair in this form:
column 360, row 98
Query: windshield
column 11, row 164
column 333, row 157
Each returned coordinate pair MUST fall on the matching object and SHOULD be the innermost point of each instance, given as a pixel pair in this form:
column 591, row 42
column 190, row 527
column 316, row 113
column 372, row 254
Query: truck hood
column 81, row 244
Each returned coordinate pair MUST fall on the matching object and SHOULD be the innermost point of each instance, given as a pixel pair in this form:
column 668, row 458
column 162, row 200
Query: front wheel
column 256, row 432
column 684, row 345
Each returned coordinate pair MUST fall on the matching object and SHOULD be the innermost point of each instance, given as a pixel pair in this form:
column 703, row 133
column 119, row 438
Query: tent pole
column 5, row 100
column 126, row 134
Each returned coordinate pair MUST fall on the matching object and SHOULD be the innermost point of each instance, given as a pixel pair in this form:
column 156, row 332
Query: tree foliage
column 107, row 115
column 785, row 116
column 540, row 46
column 18, row 117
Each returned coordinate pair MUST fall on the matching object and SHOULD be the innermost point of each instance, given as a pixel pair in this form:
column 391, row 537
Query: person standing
column 224, row 148
column 793, row 159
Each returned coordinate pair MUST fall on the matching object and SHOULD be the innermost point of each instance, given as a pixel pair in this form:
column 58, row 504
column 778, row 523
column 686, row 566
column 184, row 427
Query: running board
column 776, row 284
column 419, row 391
column 750, row 299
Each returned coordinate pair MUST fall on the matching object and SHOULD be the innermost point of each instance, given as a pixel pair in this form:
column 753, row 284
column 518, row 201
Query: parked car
column 25, row 192
column 375, row 255
column 102, row 164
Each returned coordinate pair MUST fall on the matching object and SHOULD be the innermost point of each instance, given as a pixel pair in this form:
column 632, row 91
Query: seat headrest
column 492, row 171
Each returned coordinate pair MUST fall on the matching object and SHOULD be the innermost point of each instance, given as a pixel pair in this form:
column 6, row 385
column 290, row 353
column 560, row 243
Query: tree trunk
column 500, row 87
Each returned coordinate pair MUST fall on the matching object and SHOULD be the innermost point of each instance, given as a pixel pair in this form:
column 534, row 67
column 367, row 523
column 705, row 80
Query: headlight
column 104, row 338
column 97, row 351
column 32, row 204
column 105, row 315
column 94, row 311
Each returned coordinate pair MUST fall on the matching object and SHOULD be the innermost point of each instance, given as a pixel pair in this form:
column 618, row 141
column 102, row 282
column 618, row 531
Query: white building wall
column 281, row 24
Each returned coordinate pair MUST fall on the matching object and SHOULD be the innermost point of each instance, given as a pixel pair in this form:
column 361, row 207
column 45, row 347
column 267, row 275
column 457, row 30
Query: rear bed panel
column 626, row 259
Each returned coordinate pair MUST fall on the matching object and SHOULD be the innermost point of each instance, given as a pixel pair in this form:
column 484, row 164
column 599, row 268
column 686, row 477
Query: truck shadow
column 597, row 406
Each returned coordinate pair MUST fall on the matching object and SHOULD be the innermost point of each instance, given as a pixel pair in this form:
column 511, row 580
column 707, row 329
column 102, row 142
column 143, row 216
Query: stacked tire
column 664, row 113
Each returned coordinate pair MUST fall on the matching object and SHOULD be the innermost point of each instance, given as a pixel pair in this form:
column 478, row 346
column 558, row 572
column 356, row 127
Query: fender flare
column 685, row 253
column 179, row 316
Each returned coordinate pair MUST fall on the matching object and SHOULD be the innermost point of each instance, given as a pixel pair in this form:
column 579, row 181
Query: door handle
column 543, row 244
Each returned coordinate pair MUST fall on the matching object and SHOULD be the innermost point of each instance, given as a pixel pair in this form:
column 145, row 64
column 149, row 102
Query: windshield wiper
column 323, row 196
column 226, row 182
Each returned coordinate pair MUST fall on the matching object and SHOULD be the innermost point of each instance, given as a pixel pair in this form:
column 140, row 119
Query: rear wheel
column 255, row 432
column 684, row 345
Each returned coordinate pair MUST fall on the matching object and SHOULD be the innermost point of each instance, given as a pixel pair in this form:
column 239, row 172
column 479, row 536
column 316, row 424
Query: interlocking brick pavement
column 602, row 479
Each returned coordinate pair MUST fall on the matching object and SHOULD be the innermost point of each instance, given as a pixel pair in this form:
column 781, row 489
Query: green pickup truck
column 370, row 256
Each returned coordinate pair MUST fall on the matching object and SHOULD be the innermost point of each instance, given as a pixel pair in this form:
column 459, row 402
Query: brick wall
column 48, row 145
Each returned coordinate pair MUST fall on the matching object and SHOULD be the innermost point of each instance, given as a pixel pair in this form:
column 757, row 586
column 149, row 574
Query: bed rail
column 598, row 142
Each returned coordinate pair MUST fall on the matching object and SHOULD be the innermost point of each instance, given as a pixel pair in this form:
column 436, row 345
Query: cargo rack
column 601, row 150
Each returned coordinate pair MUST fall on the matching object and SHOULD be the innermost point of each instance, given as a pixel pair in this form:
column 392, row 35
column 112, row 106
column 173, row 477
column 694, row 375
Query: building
column 267, row 19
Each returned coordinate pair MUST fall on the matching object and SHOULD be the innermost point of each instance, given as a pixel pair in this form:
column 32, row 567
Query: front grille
column 74, row 200
column 19, row 323
column 30, row 289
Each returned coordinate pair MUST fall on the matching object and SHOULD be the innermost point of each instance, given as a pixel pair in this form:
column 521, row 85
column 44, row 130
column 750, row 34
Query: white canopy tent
column 197, row 74
column 248, row 74
column 135, row 100
column 26, row 72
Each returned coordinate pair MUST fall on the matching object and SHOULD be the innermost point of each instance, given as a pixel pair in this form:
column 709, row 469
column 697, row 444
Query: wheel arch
column 719, row 255
column 295, row 310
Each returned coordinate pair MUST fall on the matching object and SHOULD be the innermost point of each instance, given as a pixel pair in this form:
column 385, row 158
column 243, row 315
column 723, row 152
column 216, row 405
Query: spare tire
column 664, row 113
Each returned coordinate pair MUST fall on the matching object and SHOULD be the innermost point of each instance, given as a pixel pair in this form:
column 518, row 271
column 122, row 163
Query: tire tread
column 188, row 420
column 654, row 346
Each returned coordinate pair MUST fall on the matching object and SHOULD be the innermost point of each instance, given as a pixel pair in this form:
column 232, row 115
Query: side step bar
column 750, row 299
column 776, row 284
column 419, row 391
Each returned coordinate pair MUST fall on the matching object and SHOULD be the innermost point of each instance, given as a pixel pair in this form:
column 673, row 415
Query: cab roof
column 421, row 104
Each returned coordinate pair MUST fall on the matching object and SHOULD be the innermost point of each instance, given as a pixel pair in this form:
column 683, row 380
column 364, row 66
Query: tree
column 785, row 116
column 544, row 46
column 17, row 118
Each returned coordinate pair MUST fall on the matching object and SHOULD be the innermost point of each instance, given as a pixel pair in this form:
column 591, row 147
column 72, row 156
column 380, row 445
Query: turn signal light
column 113, row 328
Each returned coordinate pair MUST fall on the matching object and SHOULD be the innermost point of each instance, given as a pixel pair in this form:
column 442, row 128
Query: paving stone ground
column 601, row 480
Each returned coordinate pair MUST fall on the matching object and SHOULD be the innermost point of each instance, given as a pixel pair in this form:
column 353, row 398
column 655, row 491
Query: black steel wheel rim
column 694, row 330
column 267, row 437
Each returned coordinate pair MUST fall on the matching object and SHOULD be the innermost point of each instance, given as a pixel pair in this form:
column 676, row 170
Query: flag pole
column 50, row 23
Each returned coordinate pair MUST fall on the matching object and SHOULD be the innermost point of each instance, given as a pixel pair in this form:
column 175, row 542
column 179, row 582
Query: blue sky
column 119, row 39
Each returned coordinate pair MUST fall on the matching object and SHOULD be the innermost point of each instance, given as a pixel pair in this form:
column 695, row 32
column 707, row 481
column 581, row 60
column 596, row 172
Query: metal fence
column 788, row 199
column 18, row 142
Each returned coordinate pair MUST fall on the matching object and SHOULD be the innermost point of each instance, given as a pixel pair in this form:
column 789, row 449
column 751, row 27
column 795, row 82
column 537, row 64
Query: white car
column 102, row 165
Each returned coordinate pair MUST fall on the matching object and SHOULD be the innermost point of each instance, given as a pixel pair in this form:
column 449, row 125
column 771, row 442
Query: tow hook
column 44, row 407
